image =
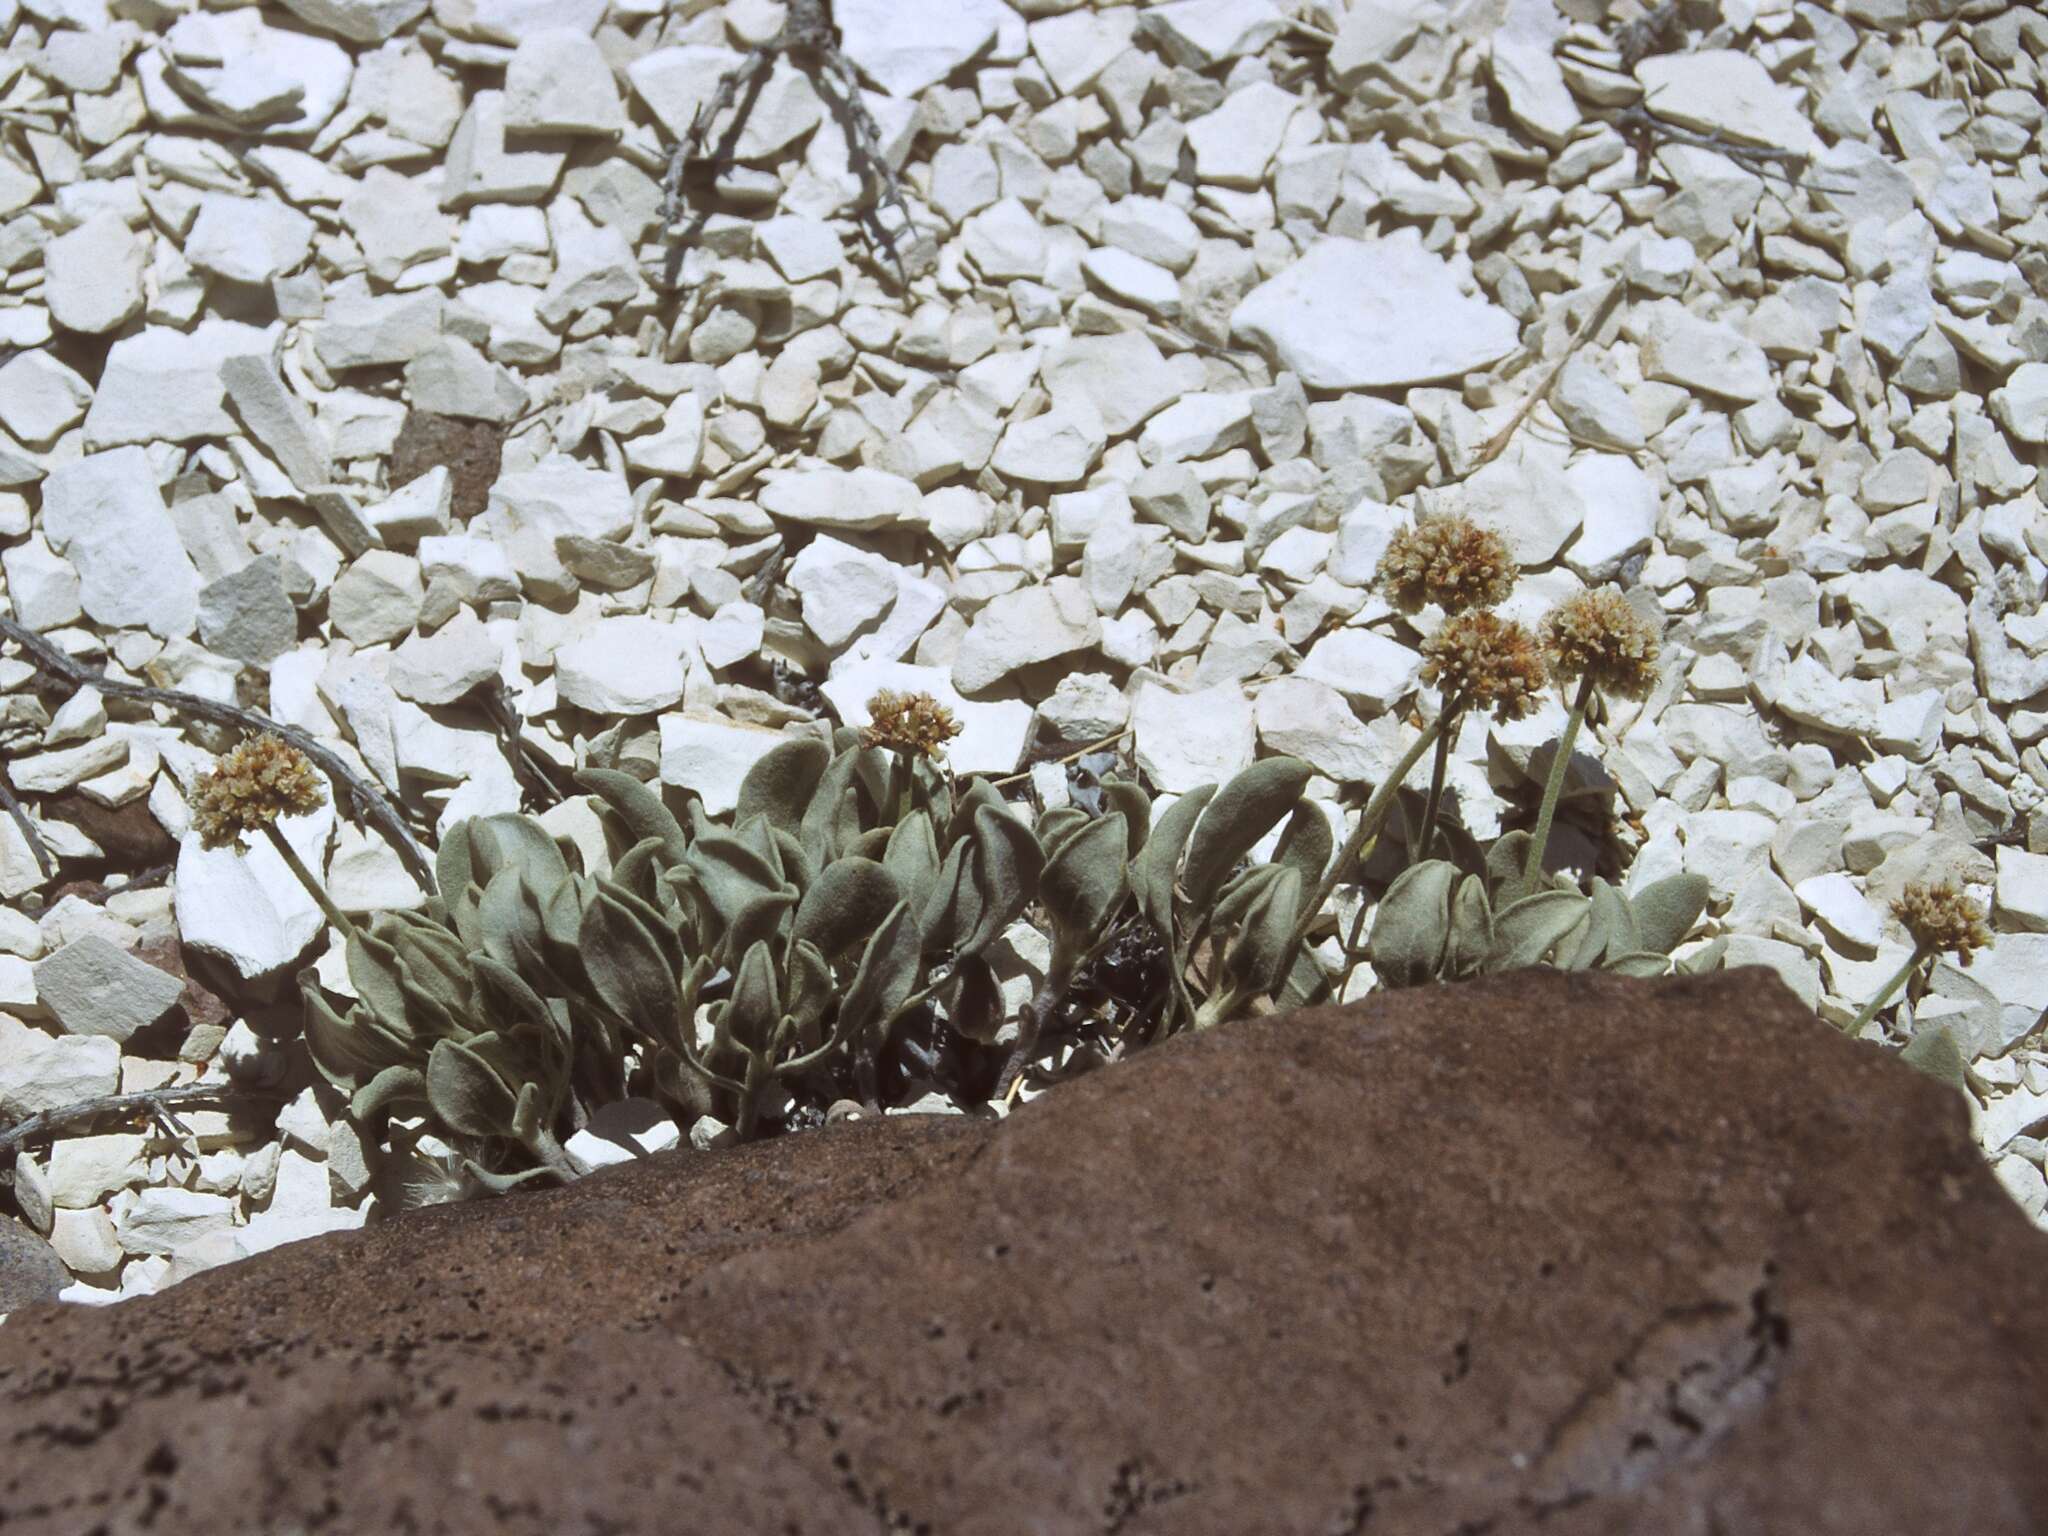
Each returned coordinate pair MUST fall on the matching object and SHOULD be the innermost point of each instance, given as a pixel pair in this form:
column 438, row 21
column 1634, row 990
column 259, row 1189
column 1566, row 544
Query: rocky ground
column 343, row 381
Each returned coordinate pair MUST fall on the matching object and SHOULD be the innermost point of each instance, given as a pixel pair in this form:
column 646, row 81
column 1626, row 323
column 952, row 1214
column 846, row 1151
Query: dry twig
column 367, row 801
column 153, row 1102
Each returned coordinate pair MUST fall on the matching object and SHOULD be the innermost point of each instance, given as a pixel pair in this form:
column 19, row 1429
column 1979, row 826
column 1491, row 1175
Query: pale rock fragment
column 906, row 51
column 1086, row 707
column 360, row 330
column 559, row 81
column 248, row 615
column 40, row 1071
column 530, row 510
column 1357, row 314
column 1133, row 280
column 397, row 220
column 377, row 599
column 676, row 447
column 1728, row 848
column 2021, row 403
column 1005, row 241
column 712, row 756
column 1621, row 507
column 163, row 385
column 2022, row 890
column 858, row 500
column 1367, row 668
column 1525, row 67
column 1597, row 410
column 1123, row 378
column 1198, row 426
column 1525, row 497
column 93, row 987
column 1842, row 910
column 85, row 1241
column 1186, row 740
column 1234, row 144
column 243, row 903
column 417, row 510
column 450, row 377
column 42, row 586
column 1023, row 628
column 1058, row 447
column 106, row 516
column 169, row 1221
column 1679, row 347
column 1076, row 47
column 40, row 397
column 247, row 239
column 843, row 590
column 1725, row 92
column 93, row 275
column 480, row 167
column 444, row 666
column 277, row 419
column 630, row 665
column 1199, row 33
column 358, row 21
column 1300, row 717
column 84, row 1170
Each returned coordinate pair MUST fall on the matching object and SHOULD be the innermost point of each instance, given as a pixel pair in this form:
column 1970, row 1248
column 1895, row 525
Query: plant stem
column 297, row 866
column 1452, row 708
column 1885, row 992
column 1553, row 789
column 1369, row 821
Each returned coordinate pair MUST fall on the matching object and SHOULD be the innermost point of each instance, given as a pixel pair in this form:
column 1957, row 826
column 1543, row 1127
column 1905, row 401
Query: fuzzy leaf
column 730, row 874
column 503, row 1183
column 1665, row 910
column 912, row 855
column 755, row 1010
column 832, row 819
column 1471, row 931
column 974, row 1001
column 1058, row 822
column 952, row 906
column 1526, row 932
column 1122, row 795
column 1256, row 960
column 393, row 1088
column 1412, row 926
column 1638, row 962
column 1244, row 810
column 639, row 807
column 505, row 917
column 1086, row 878
column 1306, row 843
column 845, row 905
column 886, row 976
column 467, row 1094
column 1006, row 864
column 1615, row 920
column 455, row 861
column 1152, row 876
column 781, row 783
column 627, row 966
column 1504, row 861
column 517, row 842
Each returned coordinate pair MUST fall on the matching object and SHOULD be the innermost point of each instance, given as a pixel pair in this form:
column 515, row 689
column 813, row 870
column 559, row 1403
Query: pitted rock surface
column 1573, row 1253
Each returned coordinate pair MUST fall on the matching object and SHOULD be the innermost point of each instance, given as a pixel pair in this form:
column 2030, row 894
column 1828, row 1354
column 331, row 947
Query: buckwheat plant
column 1596, row 638
column 1940, row 919
column 259, row 780
column 1475, row 657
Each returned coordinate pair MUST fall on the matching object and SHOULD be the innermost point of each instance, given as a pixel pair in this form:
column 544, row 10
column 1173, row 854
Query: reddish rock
column 471, row 451
column 130, row 836
column 1571, row 1253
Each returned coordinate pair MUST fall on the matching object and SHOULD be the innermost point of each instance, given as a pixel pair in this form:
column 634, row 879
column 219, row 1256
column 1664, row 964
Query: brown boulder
column 1573, row 1252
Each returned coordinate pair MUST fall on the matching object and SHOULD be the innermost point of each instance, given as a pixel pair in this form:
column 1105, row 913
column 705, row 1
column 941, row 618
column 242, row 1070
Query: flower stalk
column 1940, row 918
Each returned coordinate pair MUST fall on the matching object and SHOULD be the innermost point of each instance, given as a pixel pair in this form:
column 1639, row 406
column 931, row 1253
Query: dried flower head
column 262, row 779
column 909, row 722
column 1597, row 634
column 1447, row 560
column 1941, row 918
column 1487, row 661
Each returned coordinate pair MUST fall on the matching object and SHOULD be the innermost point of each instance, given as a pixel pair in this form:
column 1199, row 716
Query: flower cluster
column 1597, row 634
column 1941, row 918
column 1449, row 561
column 1487, row 662
column 260, row 780
column 909, row 722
